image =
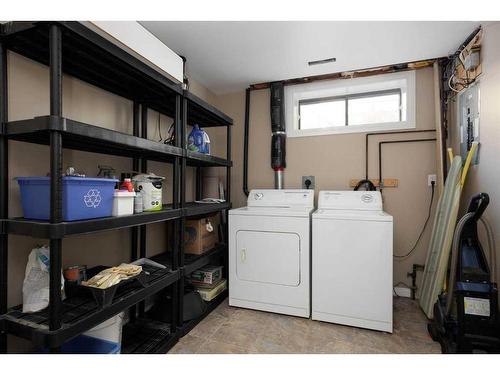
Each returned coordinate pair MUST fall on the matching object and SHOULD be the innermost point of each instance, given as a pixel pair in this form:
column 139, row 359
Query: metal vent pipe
column 278, row 142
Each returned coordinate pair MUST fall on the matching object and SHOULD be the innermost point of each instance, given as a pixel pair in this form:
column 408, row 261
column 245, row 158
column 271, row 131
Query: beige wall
column 335, row 159
column 28, row 97
column 485, row 176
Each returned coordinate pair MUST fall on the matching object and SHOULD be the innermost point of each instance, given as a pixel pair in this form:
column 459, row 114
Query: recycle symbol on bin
column 92, row 198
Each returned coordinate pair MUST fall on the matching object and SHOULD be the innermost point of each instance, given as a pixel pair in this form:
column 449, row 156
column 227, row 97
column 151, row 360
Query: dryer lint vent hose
column 278, row 129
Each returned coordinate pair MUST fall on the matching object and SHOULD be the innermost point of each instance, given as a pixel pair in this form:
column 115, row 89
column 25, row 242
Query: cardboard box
column 209, row 294
column 207, row 275
column 198, row 239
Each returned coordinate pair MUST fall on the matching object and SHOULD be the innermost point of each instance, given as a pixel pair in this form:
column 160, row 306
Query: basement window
column 383, row 102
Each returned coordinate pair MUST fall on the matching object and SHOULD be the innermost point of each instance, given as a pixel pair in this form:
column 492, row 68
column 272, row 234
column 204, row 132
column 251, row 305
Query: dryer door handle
column 243, row 255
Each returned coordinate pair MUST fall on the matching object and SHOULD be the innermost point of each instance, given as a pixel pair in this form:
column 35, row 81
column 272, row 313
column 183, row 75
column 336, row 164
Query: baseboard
column 402, row 291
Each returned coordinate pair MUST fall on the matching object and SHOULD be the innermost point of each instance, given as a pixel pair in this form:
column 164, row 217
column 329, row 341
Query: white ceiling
column 229, row 56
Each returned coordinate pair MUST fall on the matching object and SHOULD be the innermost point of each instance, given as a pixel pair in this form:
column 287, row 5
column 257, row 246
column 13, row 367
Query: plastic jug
column 150, row 188
column 198, row 140
column 206, row 139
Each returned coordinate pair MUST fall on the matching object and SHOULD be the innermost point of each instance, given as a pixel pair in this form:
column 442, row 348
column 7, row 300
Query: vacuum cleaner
column 466, row 317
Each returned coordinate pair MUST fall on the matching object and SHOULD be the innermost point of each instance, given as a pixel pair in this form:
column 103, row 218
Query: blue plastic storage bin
column 89, row 345
column 83, row 197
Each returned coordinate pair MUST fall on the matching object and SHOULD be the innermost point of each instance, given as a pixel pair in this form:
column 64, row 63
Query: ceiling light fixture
column 324, row 61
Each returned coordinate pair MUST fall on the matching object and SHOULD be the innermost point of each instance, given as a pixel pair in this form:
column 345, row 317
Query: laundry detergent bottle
column 196, row 141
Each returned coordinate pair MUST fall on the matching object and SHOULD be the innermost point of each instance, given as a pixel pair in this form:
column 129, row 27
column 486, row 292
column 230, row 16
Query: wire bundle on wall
column 458, row 72
column 400, row 257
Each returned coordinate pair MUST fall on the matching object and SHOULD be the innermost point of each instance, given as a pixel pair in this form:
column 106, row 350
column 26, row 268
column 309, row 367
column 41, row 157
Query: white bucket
column 123, row 203
column 110, row 330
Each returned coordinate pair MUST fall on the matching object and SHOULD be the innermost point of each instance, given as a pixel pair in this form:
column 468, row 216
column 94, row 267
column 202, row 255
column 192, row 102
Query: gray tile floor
column 231, row 330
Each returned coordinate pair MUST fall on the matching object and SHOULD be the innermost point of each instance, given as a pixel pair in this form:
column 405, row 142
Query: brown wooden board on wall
column 388, row 182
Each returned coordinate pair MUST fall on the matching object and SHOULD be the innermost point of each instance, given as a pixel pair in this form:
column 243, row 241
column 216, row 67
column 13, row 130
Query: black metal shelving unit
column 188, row 326
column 73, row 49
column 195, row 111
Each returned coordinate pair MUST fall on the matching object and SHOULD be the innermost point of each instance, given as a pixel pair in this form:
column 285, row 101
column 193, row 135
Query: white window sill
column 295, row 133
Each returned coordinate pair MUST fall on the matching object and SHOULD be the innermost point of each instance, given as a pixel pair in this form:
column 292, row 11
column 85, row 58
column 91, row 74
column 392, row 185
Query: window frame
column 346, row 98
column 324, row 91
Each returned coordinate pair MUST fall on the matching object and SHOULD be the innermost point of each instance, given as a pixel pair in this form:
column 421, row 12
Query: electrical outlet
column 310, row 179
column 431, row 178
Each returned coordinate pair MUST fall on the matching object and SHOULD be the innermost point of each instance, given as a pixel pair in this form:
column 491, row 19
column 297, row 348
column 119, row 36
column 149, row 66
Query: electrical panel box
column 468, row 114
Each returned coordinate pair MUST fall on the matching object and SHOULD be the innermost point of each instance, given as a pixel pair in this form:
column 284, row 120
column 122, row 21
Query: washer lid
column 355, row 215
column 350, row 200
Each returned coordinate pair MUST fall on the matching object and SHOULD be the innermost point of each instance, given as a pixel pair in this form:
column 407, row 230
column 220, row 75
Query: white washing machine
column 352, row 260
column 269, row 252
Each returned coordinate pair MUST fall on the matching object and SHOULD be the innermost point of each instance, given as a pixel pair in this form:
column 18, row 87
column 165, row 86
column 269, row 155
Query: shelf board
column 164, row 259
column 43, row 229
column 196, row 159
column 82, row 313
column 146, row 336
column 192, row 262
column 201, row 113
column 84, row 137
column 200, row 209
column 94, row 59
column 188, row 326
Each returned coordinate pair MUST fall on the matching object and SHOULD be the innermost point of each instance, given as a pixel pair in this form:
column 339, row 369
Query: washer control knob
column 367, row 198
column 258, row 196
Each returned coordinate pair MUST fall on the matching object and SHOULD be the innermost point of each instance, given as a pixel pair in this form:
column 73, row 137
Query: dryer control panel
column 350, row 200
column 281, row 198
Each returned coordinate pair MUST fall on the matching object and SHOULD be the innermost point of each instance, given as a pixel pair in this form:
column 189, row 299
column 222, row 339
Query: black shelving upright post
column 228, row 168
column 199, row 183
column 4, row 192
column 182, row 199
column 228, row 199
column 176, row 180
column 135, row 167
column 136, row 108
column 183, row 130
column 175, row 204
column 144, row 167
column 55, row 300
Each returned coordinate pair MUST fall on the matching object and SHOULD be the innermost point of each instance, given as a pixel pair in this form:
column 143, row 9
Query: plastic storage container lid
column 89, row 345
column 66, row 178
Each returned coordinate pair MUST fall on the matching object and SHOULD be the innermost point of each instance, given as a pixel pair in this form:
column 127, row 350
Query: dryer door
column 269, row 263
column 268, row 257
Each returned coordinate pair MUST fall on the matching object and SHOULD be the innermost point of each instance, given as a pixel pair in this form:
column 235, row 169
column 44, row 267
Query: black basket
column 104, row 297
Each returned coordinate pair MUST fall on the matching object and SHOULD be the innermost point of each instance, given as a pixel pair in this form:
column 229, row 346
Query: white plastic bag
column 36, row 285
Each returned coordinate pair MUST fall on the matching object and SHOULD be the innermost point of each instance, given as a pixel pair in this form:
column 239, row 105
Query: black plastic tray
column 104, row 297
